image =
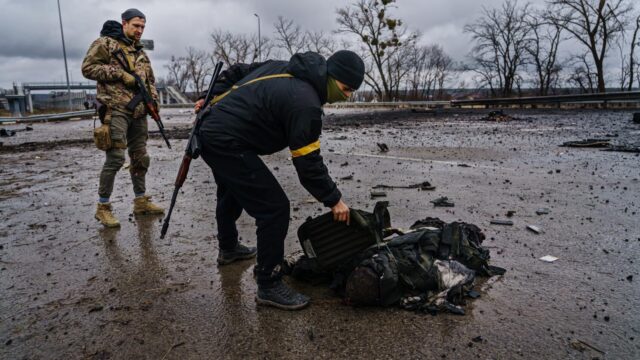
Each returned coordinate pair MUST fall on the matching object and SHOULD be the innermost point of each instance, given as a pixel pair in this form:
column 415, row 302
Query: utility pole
column 64, row 53
column 259, row 39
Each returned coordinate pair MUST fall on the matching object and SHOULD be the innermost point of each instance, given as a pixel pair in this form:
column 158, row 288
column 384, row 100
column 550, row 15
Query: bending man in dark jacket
column 272, row 105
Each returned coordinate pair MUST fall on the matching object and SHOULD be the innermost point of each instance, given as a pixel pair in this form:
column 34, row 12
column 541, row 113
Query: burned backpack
column 413, row 263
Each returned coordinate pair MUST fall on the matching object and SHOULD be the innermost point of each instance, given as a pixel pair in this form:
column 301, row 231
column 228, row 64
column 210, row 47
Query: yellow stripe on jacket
column 306, row 149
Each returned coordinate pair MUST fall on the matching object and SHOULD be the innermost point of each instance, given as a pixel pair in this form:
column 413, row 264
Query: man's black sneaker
column 281, row 296
column 240, row 252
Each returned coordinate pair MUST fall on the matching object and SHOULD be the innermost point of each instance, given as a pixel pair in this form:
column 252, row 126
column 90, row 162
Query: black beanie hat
column 131, row 13
column 346, row 67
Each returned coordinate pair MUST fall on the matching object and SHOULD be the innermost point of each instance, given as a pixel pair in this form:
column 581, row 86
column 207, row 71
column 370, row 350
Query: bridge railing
column 596, row 98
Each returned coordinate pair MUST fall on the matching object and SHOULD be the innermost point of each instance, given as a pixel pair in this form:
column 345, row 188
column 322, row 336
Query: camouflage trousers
column 126, row 133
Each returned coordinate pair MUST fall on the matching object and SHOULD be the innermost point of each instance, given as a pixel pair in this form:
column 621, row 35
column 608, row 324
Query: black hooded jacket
column 113, row 29
column 270, row 115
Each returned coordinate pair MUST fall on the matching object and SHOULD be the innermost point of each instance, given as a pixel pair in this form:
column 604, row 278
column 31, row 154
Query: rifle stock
column 192, row 151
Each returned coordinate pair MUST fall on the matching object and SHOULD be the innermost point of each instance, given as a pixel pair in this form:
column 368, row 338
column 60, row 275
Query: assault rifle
column 193, row 148
column 142, row 95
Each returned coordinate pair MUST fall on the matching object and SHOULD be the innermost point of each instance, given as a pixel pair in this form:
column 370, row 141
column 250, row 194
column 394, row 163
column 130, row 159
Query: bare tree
column 501, row 37
column 632, row 53
column 421, row 79
column 443, row 65
column 582, row 75
column 289, row 36
column 543, row 49
column 178, row 73
column 262, row 50
column 239, row 48
column 429, row 69
column 198, row 66
column 320, row 42
column 594, row 23
column 381, row 37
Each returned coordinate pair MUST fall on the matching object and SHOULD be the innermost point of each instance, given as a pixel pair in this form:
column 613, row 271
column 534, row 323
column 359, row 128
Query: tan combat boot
column 105, row 216
column 142, row 205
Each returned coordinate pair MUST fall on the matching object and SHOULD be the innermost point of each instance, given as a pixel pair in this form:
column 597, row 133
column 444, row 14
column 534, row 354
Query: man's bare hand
column 340, row 212
column 198, row 105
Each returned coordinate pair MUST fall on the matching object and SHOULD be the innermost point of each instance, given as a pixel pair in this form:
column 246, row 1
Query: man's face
column 133, row 28
column 345, row 88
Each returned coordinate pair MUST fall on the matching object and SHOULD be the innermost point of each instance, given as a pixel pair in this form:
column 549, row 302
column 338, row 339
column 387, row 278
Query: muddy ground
column 71, row 289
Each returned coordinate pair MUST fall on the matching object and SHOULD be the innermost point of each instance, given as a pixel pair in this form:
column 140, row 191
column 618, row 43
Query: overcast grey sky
column 30, row 44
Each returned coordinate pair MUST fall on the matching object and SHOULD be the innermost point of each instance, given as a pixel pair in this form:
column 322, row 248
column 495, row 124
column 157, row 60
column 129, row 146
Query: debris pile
column 498, row 115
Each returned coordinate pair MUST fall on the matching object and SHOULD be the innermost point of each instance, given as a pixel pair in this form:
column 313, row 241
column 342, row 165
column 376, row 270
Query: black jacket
column 270, row 115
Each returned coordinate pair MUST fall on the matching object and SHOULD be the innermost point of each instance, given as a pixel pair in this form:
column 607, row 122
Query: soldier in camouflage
column 116, row 88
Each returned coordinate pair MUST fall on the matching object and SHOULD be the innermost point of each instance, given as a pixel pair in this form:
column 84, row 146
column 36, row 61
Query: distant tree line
column 515, row 47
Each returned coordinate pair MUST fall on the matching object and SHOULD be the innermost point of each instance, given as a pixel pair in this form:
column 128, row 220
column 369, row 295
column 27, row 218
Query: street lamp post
column 259, row 39
column 64, row 53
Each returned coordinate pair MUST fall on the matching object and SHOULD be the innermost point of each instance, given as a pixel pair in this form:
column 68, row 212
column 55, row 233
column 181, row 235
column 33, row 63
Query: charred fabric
column 430, row 268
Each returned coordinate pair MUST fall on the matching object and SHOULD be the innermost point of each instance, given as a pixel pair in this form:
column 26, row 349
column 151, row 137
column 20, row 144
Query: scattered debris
column 96, row 308
column 343, row 137
column 473, row 294
column 501, row 222
column 548, row 258
column 534, row 229
column 498, row 115
column 464, row 165
column 425, row 185
column 582, row 346
column 442, row 201
column 6, row 132
column 623, row 148
column 348, row 177
column 375, row 194
column 383, row 147
column 592, row 143
column 543, row 211
column 510, row 213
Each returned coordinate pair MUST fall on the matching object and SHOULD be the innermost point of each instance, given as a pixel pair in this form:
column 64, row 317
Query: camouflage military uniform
column 128, row 129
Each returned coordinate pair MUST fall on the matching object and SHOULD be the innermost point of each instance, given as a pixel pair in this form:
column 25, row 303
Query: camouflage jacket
column 99, row 64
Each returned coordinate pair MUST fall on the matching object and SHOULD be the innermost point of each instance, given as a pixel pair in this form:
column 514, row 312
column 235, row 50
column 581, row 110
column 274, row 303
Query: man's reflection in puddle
column 129, row 276
column 231, row 283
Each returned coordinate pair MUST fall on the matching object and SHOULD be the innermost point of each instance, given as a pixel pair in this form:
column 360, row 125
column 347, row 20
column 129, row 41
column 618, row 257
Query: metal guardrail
column 59, row 86
column 628, row 96
column 49, row 117
column 390, row 104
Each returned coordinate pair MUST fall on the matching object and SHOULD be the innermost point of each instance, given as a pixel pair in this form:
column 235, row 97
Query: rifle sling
column 234, row 87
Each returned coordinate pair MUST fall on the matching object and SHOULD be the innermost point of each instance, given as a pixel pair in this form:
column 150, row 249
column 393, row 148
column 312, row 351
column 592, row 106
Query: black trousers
column 245, row 183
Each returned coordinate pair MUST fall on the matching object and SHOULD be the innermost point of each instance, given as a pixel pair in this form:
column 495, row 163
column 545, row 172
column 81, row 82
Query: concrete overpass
column 21, row 100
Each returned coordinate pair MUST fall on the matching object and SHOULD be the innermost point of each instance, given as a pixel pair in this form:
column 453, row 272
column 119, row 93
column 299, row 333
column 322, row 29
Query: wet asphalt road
column 70, row 289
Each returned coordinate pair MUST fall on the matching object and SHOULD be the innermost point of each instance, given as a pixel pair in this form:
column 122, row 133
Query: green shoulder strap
column 234, row 87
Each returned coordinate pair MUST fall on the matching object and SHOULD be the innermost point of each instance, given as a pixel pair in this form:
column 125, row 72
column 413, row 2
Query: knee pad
column 139, row 163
